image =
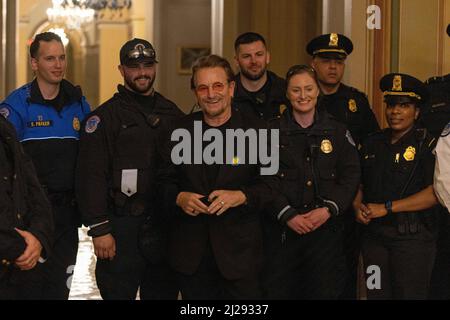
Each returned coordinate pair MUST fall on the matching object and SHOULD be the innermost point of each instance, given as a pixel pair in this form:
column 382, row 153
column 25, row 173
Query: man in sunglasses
column 116, row 174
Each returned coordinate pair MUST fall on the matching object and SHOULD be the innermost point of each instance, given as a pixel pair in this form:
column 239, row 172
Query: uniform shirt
column 267, row 103
column 49, row 130
column 442, row 169
column 387, row 167
column 316, row 162
column 351, row 107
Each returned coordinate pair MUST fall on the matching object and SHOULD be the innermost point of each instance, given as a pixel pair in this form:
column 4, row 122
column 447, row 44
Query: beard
column 253, row 77
column 140, row 89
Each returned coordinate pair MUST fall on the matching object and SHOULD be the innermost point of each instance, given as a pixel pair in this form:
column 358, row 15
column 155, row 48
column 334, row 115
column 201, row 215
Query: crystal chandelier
column 76, row 13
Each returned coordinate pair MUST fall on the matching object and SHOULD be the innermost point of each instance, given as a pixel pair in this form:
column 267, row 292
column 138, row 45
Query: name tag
column 129, row 182
column 40, row 124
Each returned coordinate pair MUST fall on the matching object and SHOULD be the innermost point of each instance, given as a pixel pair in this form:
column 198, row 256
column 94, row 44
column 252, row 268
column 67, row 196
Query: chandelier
column 76, row 13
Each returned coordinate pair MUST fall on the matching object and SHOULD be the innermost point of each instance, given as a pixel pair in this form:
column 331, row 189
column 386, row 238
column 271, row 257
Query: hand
column 222, row 200
column 376, row 210
column 361, row 213
column 300, row 224
column 104, row 246
column 30, row 256
column 318, row 217
column 191, row 203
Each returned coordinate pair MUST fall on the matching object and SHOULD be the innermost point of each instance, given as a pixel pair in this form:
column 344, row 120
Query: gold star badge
column 76, row 124
column 334, row 40
column 410, row 154
column 282, row 108
column 326, row 146
column 352, row 105
column 397, row 83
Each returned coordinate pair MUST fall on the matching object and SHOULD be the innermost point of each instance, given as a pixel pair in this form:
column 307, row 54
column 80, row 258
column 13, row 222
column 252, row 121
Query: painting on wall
column 187, row 55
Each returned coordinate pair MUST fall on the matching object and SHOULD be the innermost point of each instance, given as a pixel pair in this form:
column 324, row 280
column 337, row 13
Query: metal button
column 6, row 262
column 308, row 159
column 5, row 178
column 19, row 216
column 309, row 183
column 282, row 175
column 305, row 206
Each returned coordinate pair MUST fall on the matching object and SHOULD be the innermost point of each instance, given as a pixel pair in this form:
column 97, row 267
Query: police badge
column 410, row 154
column 352, row 105
column 76, row 124
column 326, row 146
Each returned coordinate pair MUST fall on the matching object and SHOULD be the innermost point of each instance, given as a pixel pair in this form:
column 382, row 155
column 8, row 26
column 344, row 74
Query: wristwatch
column 388, row 206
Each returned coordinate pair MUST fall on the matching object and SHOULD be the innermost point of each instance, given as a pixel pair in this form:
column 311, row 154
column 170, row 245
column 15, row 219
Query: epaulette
column 445, row 78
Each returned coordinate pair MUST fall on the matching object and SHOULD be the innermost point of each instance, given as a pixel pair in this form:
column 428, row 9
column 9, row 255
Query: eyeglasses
column 217, row 87
column 140, row 51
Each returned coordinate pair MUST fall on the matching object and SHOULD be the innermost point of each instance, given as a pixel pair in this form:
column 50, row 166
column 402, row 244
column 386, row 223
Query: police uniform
column 116, row 175
column 270, row 101
column 49, row 133
column 23, row 205
column 319, row 167
column 402, row 245
column 351, row 107
column 442, row 170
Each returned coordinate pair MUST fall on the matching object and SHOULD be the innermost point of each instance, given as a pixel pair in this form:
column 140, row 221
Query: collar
column 68, row 93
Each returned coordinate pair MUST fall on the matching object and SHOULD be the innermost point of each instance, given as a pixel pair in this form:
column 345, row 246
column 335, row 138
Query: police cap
column 137, row 50
column 330, row 45
column 402, row 88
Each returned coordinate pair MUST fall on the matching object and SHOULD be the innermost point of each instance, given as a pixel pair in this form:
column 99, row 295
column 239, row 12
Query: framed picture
column 188, row 55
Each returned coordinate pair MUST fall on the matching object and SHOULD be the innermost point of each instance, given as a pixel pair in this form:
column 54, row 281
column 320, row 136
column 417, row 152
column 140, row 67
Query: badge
column 352, row 105
column 235, row 161
column 92, row 123
column 76, row 124
column 443, row 134
column 282, row 108
column 326, row 146
column 334, row 39
column 397, row 83
column 4, row 112
column 410, row 154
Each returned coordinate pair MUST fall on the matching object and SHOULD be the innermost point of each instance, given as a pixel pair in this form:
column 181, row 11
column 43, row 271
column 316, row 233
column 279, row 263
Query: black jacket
column 236, row 236
column 23, row 204
column 319, row 167
column 271, row 104
column 351, row 107
column 120, row 135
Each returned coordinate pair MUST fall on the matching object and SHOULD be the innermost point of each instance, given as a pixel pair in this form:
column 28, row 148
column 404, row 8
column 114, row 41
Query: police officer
column 318, row 178
column 117, row 170
column 442, row 169
column 349, row 106
column 26, row 224
column 46, row 114
column 258, row 90
column 397, row 200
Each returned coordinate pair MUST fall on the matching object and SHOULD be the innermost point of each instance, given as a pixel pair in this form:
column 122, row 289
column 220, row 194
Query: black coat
column 23, row 203
column 120, row 135
column 236, row 236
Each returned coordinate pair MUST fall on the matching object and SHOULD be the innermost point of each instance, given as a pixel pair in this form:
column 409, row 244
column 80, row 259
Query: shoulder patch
column 92, row 124
column 446, row 130
column 349, row 137
column 4, row 112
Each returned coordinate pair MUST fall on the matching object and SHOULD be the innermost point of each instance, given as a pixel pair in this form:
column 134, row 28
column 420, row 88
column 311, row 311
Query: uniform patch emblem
column 326, row 146
column 444, row 133
column 410, row 154
column 4, row 112
column 282, row 108
column 349, row 137
column 92, row 124
column 76, row 124
column 352, row 105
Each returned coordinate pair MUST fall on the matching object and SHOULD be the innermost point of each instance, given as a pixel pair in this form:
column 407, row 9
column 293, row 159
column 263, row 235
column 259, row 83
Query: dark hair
column 46, row 37
column 248, row 37
column 211, row 61
column 300, row 69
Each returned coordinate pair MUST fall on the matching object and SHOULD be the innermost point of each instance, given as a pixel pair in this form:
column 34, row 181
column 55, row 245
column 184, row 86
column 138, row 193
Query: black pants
column 352, row 249
column 405, row 261
column 128, row 272
column 207, row 283
column 21, row 285
column 310, row 266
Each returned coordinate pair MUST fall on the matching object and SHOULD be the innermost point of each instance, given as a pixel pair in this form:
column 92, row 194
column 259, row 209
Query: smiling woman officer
column 396, row 199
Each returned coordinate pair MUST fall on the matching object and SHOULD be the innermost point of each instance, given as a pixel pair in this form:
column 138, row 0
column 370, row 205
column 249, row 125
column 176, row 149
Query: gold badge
column 282, row 108
column 397, row 83
column 76, row 124
column 326, row 146
column 410, row 154
column 352, row 105
column 235, row 161
column 334, row 39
